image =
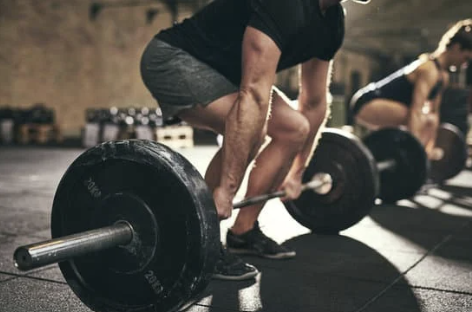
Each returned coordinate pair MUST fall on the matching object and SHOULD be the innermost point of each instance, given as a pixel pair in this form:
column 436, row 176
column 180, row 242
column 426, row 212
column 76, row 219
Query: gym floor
column 414, row 256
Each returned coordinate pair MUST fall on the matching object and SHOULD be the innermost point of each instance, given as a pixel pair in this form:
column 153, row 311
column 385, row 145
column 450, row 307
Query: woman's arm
column 425, row 77
column 435, row 120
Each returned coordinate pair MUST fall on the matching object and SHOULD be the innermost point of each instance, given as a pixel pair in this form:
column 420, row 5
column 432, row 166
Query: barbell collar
column 64, row 248
column 321, row 183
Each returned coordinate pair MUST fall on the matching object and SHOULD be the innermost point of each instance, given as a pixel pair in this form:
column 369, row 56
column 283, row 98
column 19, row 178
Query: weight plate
column 166, row 201
column 354, row 188
column 410, row 171
column 452, row 142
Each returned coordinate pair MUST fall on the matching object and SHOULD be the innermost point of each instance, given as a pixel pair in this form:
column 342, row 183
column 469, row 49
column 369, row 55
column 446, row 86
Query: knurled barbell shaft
column 386, row 164
column 63, row 248
column 312, row 185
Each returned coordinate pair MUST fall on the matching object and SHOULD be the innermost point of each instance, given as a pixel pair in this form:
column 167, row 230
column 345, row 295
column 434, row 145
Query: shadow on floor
column 427, row 220
column 330, row 273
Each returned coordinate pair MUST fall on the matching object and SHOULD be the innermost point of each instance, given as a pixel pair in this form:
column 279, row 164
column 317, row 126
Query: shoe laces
column 257, row 232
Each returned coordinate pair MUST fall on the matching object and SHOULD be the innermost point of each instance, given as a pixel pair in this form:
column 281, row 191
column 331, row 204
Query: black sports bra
column 394, row 87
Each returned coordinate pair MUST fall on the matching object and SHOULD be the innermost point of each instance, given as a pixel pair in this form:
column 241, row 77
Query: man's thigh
column 179, row 81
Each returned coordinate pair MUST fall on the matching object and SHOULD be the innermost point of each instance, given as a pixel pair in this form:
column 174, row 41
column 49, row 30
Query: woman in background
column 411, row 96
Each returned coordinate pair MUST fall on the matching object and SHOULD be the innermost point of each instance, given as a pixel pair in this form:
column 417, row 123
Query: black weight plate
column 166, row 201
column 145, row 243
column 451, row 140
column 454, row 108
column 354, row 189
column 410, row 172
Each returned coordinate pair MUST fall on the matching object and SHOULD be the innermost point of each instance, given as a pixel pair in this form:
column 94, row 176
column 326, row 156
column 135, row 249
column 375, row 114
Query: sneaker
column 233, row 268
column 255, row 242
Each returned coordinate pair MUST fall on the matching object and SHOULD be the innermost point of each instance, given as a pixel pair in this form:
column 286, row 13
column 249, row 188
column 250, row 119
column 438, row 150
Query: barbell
column 451, row 141
column 389, row 164
column 402, row 169
column 135, row 228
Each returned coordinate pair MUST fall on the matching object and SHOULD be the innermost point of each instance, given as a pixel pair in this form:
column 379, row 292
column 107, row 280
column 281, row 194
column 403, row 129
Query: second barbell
column 389, row 164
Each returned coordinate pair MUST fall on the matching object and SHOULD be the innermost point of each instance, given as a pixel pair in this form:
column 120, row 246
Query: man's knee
column 295, row 132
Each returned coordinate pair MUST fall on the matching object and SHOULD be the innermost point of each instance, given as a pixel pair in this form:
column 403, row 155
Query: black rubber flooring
column 414, row 256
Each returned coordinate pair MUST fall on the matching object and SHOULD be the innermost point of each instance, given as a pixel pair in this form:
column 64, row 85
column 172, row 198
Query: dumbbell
column 142, row 117
column 155, row 118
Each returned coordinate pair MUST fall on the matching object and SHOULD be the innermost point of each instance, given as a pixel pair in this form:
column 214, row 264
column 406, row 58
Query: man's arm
column 312, row 103
column 247, row 118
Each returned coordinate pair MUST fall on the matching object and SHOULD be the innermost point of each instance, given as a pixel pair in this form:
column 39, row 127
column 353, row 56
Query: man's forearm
column 317, row 117
column 243, row 134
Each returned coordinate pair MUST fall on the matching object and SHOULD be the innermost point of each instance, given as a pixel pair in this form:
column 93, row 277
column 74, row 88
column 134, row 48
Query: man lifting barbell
column 411, row 96
column 216, row 71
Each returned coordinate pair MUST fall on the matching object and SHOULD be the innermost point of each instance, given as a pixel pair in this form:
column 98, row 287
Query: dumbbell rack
column 132, row 123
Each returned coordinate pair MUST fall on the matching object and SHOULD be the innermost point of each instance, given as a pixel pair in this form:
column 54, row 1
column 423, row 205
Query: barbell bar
column 315, row 184
column 64, row 248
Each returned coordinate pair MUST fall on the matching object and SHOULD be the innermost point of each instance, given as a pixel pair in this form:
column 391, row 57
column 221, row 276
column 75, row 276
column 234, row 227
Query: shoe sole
column 243, row 277
column 286, row 255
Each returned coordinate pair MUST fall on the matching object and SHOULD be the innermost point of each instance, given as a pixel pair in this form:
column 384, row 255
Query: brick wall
column 51, row 52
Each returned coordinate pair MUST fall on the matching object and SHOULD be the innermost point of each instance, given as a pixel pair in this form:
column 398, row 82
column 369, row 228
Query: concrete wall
column 51, row 52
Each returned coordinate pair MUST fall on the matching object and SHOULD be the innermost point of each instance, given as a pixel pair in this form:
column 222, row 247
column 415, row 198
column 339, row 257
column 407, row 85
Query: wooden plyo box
column 175, row 136
column 38, row 133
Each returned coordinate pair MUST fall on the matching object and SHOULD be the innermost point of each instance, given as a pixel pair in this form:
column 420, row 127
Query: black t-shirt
column 214, row 34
